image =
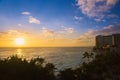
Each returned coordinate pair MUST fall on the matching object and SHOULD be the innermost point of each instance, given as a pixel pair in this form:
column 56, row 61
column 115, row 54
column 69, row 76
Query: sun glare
column 19, row 41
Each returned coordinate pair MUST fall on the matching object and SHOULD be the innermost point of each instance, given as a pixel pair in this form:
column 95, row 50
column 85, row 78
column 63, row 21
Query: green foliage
column 15, row 68
column 103, row 67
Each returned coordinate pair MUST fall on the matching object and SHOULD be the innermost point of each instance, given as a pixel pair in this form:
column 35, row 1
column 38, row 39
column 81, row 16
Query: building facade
column 116, row 40
column 107, row 41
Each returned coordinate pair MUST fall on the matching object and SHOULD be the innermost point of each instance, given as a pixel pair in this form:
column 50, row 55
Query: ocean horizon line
column 52, row 47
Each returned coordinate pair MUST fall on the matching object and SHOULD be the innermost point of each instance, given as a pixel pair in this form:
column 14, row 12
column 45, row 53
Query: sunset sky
column 50, row 23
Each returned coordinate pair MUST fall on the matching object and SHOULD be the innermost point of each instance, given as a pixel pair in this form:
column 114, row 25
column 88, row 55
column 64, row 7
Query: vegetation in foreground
column 103, row 67
column 15, row 68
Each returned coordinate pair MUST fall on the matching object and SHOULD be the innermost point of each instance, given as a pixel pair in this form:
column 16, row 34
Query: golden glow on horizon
column 20, row 41
column 41, row 41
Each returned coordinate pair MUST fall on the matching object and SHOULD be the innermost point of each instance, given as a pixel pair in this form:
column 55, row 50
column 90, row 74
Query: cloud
column 78, row 18
column 96, row 8
column 33, row 20
column 68, row 30
column 63, row 33
column 113, row 16
column 88, row 36
column 47, row 31
column 19, row 25
column 97, row 20
column 108, row 27
column 47, row 34
column 26, row 13
column 107, row 30
column 11, row 34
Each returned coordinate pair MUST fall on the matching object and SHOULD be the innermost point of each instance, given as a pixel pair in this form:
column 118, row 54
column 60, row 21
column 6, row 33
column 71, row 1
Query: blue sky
column 75, row 19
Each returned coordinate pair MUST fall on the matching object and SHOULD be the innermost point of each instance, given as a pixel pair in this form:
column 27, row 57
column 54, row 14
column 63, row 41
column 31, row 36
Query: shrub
column 15, row 68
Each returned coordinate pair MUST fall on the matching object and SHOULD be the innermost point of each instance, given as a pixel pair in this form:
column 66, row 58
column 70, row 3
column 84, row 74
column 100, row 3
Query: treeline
column 103, row 67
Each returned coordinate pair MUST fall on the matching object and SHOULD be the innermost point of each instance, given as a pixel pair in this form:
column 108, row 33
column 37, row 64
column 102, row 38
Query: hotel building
column 107, row 41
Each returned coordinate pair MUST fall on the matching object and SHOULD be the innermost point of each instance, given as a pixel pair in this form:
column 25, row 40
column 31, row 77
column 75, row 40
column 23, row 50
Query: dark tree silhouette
column 88, row 55
column 15, row 68
column 104, row 66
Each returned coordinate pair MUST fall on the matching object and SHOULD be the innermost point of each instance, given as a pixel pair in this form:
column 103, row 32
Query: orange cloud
column 89, row 36
column 11, row 34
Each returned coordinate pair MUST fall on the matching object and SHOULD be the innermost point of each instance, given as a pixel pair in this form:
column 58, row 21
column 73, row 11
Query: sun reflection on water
column 19, row 52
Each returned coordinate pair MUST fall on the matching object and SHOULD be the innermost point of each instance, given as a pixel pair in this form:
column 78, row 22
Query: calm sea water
column 60, row 57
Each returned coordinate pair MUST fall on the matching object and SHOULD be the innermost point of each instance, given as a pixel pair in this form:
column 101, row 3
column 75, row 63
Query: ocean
column 61, row 57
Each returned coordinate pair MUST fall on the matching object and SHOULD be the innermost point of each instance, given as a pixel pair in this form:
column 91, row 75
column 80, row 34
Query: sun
column 19, row 41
